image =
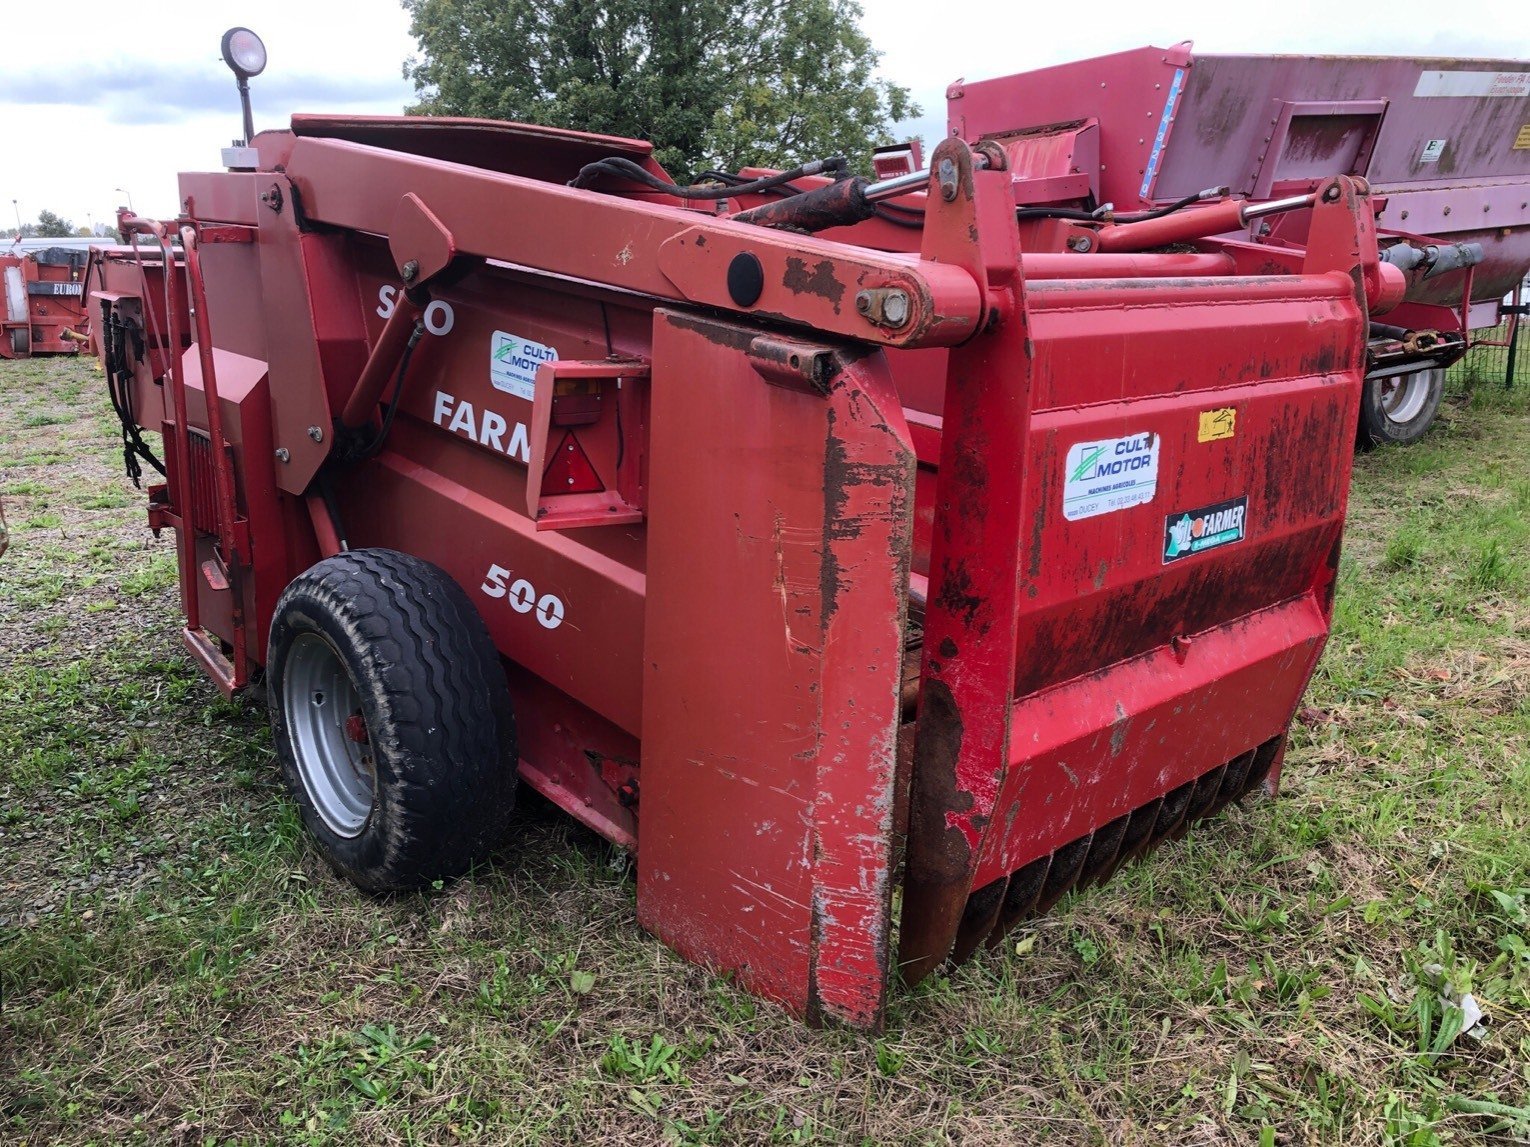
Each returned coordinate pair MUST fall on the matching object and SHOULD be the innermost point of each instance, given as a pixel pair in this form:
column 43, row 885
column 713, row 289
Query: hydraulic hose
column 620, row 167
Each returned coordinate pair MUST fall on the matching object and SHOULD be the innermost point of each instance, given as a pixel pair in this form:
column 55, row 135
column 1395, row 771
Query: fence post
column 1516, row 313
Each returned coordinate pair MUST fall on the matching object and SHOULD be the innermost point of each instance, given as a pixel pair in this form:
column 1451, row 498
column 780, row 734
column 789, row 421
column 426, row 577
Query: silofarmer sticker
column 1187, row 532
column 513, row 363
column 1109, row 475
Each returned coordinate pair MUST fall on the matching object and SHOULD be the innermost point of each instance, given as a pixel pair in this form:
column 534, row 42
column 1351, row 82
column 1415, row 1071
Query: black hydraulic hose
column 901, row 215
column 376, row 444
column 894, row 213
column 1098, row 217
column 331, row 507
column 623, row 168
column 119, row 389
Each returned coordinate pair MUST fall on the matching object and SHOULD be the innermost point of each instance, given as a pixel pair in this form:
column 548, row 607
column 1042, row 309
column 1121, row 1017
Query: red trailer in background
column 1443, row 143
column 44, row 302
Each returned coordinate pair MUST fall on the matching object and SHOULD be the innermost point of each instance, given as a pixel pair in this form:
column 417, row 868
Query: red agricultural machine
column 1443, row 143
column 43, row 293
column 873, row 560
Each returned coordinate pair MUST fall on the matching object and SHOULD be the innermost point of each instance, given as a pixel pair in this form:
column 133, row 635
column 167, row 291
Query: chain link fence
column 1501, row 356
column 1506, row 364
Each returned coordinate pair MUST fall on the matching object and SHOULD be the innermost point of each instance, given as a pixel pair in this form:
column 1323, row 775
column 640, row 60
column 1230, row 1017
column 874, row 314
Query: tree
column 712, row 84
column 51, row 226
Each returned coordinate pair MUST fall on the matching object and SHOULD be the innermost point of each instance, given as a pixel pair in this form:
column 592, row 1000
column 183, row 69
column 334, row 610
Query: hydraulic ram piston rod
column 841, row 203
column 1182, row 225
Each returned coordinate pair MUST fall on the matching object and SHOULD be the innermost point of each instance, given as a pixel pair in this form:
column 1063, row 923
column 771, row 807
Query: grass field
column 178, row 966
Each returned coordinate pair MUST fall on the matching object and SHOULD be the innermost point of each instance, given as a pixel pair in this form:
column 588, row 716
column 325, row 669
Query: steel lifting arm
column 660, row 251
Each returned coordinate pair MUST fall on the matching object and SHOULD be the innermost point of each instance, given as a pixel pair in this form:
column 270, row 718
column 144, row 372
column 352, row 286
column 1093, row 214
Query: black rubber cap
column 746, row 279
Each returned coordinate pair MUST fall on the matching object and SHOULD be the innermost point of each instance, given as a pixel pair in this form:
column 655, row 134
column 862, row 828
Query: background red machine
column 872, row 573
column 1444, row 144
column 43, row 294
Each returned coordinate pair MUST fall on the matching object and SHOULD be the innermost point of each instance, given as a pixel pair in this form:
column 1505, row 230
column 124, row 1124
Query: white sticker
column 1110, row 475
column 513, row 363
column 1513, row 84
column 1433, row 149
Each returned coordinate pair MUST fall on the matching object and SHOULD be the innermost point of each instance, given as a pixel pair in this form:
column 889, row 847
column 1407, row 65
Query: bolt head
column 411, row 270
column 895, row 308
column 283, row 454
column 863, row 302
column 316, row 433
column 947, row 173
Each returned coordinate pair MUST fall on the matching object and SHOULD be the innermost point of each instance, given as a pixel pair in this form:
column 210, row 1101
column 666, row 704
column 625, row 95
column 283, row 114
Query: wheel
column 391, row 719
column 1400, row 409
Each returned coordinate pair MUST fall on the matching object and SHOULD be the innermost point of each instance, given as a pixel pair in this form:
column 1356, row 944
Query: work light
column 244, row 53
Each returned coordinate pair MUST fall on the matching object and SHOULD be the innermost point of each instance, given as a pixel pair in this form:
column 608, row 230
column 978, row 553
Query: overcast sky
column 119, row 109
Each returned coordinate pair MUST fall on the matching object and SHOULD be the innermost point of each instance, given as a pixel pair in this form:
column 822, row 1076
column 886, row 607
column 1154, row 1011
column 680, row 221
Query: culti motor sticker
column 513, row 363
column 1187, row 532
column 1111, row 474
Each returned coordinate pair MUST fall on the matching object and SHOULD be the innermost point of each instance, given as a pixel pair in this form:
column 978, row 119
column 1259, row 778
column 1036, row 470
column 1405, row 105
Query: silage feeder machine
column 42, row 294
column 871, row 576
column 1443, row 143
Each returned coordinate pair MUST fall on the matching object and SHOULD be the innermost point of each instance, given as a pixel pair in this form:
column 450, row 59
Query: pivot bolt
column 283, row 454
column 1080, row 243
column 947, row 175
column 411, row 270
column 884, row 306
column 316, row 434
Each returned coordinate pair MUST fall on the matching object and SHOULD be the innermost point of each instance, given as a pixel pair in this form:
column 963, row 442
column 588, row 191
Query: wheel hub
column 329, row 735
column 1404, row 396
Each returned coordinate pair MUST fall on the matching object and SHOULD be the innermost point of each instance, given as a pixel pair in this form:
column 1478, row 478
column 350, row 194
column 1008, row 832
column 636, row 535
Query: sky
column 89, row 122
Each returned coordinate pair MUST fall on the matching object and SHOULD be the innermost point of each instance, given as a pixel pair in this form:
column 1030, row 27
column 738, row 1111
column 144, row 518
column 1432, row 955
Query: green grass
column 177, row 964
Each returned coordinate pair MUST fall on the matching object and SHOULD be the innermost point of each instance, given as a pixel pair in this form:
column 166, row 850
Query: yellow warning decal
column 1522, row 140
column 1218, row 424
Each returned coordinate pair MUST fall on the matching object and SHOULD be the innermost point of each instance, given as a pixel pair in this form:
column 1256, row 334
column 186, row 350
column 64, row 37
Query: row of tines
column 1094, row 858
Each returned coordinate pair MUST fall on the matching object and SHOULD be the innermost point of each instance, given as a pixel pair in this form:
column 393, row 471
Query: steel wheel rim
column 320, row 702
column 1404, row 397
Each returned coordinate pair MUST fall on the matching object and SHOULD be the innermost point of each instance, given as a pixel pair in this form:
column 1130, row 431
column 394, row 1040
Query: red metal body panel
column 776, row 594
column 713, row 536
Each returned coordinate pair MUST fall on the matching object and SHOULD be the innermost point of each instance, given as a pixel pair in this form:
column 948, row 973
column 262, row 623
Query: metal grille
column 204, row 491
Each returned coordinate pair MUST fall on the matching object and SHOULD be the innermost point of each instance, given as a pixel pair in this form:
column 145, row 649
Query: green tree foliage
column 51, row 226
column 712, row 84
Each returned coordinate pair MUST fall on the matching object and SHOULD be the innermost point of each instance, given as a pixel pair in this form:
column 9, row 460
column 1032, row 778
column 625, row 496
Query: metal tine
column 1020, row 899
column 1102, row 853
column 1233, row 782
column 1201, row 799
column 1139, row 831
column 1067, row 861
column 1264, row 758
column 996, row 908
column 978, row 919
column 1172, row 814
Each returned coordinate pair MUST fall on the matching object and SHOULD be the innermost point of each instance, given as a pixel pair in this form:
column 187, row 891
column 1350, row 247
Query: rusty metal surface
column 980, row 544
column 776, row 596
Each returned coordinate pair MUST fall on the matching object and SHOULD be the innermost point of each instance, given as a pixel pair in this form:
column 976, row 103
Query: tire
column 1400, row 410
column 391, row 718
